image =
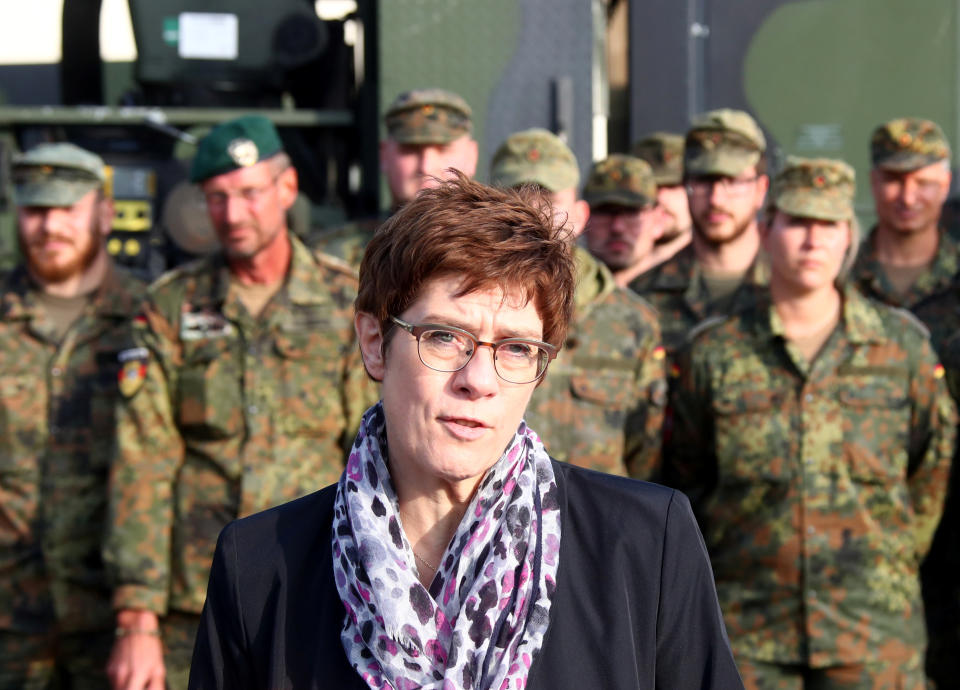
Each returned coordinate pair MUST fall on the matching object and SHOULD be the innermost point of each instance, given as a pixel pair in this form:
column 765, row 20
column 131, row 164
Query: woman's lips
column 464, row 428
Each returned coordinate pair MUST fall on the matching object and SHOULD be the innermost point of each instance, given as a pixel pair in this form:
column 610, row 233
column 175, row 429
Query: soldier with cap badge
column 603, row 402
column 428, row 131
column 243, row 391
column 722, row 269
column 908, row 256
column 664, row 152
column 813, row 432
column 64, row 312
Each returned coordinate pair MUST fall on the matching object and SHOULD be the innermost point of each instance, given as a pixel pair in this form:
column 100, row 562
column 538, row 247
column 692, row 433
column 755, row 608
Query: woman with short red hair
column 454, row 553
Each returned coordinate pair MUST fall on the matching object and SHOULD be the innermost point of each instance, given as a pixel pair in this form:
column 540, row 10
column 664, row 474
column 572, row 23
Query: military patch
column 658, row 353
column 204, row 324
column 243, row 152
column 938, row 371
column 134, row 370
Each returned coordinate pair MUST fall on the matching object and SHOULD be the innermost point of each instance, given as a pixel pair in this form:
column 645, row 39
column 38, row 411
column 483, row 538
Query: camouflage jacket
column 601, row 403
column 224, row 415
column 867, row 273
column 347, row 242
column 817, row 487
column 676, row 290
column 57, row 403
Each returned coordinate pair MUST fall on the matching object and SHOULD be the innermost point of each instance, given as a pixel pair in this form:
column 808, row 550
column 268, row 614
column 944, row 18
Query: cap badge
column 819, row 181
column 533, row 154
column 428, row 110
column 905, row 139
column 243, row 152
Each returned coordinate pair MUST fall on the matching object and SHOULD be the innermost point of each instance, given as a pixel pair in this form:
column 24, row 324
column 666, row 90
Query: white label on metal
column 208, row 36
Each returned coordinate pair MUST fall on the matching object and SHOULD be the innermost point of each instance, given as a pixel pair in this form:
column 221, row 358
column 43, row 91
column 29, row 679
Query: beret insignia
column 243, row 152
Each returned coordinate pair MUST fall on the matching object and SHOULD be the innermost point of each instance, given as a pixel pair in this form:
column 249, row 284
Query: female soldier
column 814, row 434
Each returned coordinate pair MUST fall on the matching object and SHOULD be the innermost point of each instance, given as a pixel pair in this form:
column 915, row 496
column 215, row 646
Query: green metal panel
column 461, row 45
column 822, row 74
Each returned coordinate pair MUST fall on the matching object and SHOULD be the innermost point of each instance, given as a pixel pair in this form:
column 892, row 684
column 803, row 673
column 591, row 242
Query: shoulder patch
column 133, row 370
column 704, row 326
column 912, row 319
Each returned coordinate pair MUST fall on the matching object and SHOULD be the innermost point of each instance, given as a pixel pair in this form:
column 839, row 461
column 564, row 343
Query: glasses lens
column 520, row 361
column 445, row 350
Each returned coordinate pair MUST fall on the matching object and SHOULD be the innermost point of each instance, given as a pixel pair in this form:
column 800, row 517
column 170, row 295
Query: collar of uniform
column 117, row 296
column 120, row 293
column 594, row 281
column 303, row 283
column 306, row 282
column 674, row 274
column 861, row 322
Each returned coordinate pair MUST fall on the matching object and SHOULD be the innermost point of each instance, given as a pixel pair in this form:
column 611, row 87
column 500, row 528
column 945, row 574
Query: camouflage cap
column 622, row 181
column 428, row 116
column 722, row 142
column 535, row 156
column 235, row 144
column 821, row 188
column 56, row 175
column 664, row 152
column 908, row 143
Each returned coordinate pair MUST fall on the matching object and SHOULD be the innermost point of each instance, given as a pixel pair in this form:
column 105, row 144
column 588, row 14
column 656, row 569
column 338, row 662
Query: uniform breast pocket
column 876, row 427
column 614, row 391
column 23, row 417
column 752, row 435
column 310, row 391
column 210, row 391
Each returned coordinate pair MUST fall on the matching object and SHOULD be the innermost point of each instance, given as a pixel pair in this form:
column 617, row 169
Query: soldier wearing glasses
column 242, row 390
column 721, row 270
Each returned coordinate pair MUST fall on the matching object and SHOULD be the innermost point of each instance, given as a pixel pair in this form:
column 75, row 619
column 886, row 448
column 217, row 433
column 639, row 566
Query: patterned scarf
column 483, row 619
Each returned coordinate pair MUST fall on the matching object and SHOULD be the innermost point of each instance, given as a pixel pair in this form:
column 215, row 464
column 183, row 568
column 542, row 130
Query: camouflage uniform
column 225, row 414
column 676, row 290
column 818, row 488
column 869, row 277
column 719, row 143
column 57, row 398
column 601, row 405
column 346, row 242
column 818, row 485
column 664, row 152
column 903, row 145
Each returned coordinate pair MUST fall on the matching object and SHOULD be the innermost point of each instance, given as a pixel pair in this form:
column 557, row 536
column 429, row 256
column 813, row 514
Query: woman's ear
column 371, row 344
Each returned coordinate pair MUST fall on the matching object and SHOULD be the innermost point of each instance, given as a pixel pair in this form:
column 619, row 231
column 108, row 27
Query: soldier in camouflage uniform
column 722, row 270
column 428, row 131
column 813, row 432
column 64, row 312
column 602, row 405
column 664, row 152
column 908, row 256
column 242, row 390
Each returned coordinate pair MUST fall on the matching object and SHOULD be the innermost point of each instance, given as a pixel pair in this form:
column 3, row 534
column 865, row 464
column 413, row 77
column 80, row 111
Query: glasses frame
column 417, row 330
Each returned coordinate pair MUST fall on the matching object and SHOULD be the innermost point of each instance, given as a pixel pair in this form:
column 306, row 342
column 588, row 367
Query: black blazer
column 635, row 605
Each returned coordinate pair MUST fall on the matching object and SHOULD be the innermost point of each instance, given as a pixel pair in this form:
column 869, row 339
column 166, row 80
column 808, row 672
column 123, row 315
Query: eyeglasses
column 250, row 195
column 731, row 186
column 448, row 348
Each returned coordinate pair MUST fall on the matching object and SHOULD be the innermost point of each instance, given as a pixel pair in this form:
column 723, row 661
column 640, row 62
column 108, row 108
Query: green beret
column 664, row 152
column 722, row 142
column 908, row 143
column 821, row 188
column 620, row 180
column 236, row 144
column 56, row 175
column 535, row 156
column 428, row 116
